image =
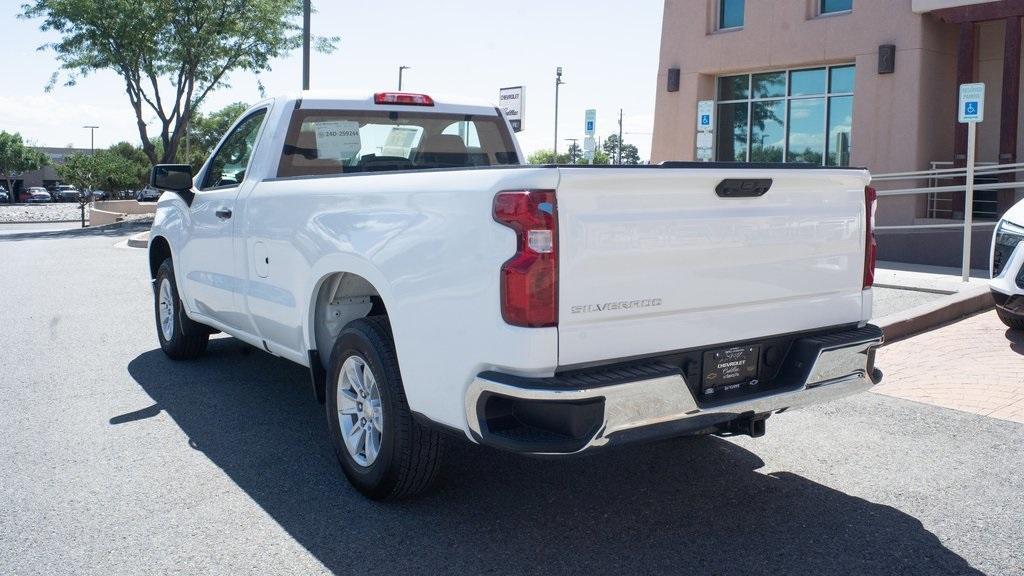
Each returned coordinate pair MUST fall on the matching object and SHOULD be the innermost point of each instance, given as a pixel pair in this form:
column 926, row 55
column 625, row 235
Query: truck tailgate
column 654, row 260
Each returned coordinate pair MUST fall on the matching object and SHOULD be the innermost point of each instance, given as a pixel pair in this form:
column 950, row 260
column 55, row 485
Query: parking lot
column 119, row 461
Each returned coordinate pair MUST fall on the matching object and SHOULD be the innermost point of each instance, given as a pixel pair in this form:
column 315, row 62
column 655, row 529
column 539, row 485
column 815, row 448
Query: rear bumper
column 625, row 403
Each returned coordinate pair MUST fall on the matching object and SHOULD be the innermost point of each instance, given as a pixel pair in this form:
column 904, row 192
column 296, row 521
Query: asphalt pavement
column 115, row 460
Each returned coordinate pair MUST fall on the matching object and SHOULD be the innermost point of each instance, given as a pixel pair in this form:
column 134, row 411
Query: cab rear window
column 326, row 142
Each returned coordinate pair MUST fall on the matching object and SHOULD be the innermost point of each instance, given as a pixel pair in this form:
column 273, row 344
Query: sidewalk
column 974, row 365
column 910, row 298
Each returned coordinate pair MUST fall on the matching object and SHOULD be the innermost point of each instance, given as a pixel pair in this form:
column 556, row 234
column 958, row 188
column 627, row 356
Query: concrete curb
column 41, row 221
column 927, row 316
column 140, row 240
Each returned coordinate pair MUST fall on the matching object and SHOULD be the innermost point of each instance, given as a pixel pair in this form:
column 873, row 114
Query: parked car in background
column 1007, row 267
column 148, row 194
column 35, row 194
column 96, row 195
column 4, row 196
column 66, row 193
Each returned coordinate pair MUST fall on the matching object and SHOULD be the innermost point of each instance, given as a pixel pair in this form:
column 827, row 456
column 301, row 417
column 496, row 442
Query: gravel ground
column 116, row 460
column 54, row 212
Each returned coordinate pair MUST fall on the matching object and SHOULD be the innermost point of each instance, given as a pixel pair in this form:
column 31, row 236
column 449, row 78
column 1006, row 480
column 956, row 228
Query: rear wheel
column 1014, row 321
column 383, row 451
column 181, row 338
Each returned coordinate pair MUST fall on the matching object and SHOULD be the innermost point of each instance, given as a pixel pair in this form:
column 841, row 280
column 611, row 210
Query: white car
column 396, row 245
column 1007, row 268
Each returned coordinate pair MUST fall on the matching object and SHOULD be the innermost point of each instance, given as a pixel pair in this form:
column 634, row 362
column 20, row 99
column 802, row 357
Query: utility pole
column 574, row 149
column 558, row 82
column 400, row 69
column 305, row 44
column 92, row 139
column 619, row 151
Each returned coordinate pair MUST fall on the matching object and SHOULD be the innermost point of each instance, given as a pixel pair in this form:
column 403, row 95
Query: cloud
column 51, row 121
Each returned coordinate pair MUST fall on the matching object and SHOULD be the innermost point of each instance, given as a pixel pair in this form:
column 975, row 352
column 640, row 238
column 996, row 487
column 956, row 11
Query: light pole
column 92, row 138
column 400, row 69
column 619, row 151
column 573, row 150
column 558, row 82
column 305, row 44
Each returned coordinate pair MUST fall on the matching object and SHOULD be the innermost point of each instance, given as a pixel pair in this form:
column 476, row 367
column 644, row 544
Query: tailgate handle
column 743, row 187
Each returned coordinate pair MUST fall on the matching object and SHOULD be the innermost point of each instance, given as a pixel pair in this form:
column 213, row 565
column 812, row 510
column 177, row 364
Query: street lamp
column 92, row 138
column 558, row 82
column 573, row 150
column 305, row 44
column 400, row 69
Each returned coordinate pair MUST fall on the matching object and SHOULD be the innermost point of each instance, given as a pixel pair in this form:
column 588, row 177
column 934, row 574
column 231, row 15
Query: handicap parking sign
column 705, row 119
column 972, row 103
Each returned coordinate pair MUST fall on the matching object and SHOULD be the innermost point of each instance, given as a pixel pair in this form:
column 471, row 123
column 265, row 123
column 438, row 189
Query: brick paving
column 974, row 365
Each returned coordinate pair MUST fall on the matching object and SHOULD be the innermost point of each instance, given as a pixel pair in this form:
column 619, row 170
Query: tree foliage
column 16, row 157
column 548, row 157
column 113, row 170
column 630, row 154
column 170, row 54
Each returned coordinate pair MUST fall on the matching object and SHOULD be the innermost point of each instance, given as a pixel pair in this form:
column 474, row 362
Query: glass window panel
column 771, row 85
column 841, row 79
column 840, row 121
column 829, row 6
column 806, row 130
column 733, row 87
column 731, row 145
column 730, row 13
column 807, row 82
column 767, row 131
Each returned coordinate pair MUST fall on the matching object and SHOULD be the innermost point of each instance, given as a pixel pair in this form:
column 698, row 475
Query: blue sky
column 609, row 52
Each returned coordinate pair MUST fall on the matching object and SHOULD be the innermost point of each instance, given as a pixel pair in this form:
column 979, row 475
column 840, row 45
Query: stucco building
column 847, row 82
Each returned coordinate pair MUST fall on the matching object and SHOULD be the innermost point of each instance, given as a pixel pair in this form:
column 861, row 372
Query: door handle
column 223, row 213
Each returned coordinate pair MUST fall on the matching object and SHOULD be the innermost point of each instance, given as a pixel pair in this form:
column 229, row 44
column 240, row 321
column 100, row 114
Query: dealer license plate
column 730, row 368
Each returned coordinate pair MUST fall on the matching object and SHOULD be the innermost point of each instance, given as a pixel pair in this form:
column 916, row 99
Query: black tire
column 188, row 338
column 410, row 454
column 1013, row 321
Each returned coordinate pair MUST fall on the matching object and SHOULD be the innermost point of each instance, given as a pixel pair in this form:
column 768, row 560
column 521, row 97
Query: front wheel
column 383, row 451
column 181, row 338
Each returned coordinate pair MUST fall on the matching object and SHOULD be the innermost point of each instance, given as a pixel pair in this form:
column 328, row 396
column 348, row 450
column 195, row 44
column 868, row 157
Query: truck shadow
column 685, row 506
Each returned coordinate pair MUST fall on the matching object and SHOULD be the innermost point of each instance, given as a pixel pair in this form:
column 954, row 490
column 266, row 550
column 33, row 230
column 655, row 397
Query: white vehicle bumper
column 634, row 401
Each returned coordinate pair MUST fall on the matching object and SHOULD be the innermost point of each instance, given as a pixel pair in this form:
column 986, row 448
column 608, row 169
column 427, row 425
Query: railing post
column 969, row 201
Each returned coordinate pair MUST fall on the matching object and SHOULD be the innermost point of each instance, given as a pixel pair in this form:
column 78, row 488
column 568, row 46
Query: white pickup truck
column 398, row 246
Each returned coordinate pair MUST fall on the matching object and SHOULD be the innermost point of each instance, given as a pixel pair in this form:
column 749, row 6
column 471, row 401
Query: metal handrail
column 933, row 176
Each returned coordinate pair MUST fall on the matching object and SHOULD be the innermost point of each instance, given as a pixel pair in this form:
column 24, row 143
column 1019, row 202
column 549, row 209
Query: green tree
column 170, row 54
column 206, row 131
column 15, row 158
column 630, row 153
column 547, row 157
column 136, row 165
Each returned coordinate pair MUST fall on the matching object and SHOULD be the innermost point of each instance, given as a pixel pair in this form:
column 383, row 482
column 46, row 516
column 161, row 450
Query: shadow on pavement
column 688, row 506
column 1016, row 340
column 111, row 231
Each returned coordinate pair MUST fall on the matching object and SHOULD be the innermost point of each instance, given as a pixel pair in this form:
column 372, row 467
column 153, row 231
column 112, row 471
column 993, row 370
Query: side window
column 231, row 160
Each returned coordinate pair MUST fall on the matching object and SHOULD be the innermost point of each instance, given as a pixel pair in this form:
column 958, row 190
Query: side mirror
column 173, row 177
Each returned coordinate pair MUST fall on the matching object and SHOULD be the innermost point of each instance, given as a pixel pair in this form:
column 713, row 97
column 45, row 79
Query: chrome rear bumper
column 820, row 369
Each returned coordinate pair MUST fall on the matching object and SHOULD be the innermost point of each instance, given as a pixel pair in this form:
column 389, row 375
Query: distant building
column 847, row 82
column 47, row 176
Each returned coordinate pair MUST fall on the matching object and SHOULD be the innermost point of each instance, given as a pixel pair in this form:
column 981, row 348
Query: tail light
column 403, row 98
column 870, row 245
column 529, row 280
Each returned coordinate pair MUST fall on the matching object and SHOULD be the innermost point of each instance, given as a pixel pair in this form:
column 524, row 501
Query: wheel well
column 341, row 298
column 159, row 250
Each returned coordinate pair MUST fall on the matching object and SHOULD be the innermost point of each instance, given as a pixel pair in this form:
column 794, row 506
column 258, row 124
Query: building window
column 801, row 115
column 730, row 14
column 834, row 6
